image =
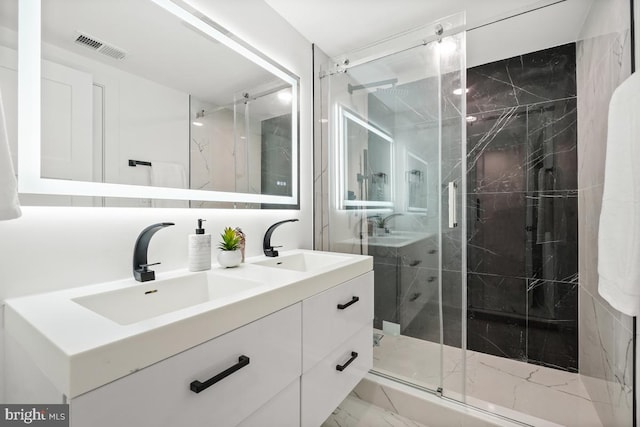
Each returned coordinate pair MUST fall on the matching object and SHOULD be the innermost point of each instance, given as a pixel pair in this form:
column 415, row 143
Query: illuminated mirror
column 367, row 171
column 416, row 183
column 149, row 99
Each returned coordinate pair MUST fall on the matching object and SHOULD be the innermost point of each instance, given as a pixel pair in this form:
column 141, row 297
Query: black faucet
column 141, row 271
column 266, row 242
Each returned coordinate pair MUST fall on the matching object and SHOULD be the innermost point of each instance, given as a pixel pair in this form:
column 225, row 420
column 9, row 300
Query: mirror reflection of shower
column 244, row 146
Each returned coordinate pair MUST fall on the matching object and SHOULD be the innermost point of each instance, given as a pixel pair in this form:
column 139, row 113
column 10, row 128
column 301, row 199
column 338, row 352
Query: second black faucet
column 266, row 242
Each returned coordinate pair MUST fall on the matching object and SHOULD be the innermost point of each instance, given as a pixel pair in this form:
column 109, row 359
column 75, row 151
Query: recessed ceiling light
column 471, row 119
column 195, row 123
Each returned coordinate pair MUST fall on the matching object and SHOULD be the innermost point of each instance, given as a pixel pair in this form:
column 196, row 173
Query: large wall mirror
column 149, row 100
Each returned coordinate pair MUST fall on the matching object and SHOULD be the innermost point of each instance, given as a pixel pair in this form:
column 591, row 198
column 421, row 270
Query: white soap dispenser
column 199, row 249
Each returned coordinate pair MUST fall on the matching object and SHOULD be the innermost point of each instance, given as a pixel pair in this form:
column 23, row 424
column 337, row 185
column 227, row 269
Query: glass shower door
column 396, row 160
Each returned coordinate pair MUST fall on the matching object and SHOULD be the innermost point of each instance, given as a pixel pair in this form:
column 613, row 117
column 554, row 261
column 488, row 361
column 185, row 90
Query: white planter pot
column 229, row 258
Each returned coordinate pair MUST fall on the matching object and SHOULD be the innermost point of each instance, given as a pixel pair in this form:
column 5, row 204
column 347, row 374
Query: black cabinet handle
column 196, row 386
column 343, row 367
column 353, row 301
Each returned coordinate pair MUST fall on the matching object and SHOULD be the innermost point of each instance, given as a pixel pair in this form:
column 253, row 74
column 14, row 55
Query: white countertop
column 80, row 350
column 395, row 239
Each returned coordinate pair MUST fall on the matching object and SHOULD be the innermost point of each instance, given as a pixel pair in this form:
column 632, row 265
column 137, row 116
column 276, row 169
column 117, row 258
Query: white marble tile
column 354, row 412
column 430, row 409
column 589, row 206
column 605, row 335
column 509, row 387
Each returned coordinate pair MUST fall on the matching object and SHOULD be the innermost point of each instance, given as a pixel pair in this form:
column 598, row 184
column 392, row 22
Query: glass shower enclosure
column 394, row 139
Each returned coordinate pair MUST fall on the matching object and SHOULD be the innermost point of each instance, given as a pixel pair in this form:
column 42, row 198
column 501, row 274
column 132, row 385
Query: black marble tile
column 500, row 335
column 497, row 295
column 496, row 151
column 552, row 325
column 496, row 234
column 552, row 158
column 527, row 79
column 552, row 236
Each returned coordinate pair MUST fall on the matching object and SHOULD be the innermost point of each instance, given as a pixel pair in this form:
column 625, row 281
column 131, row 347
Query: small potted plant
column 380, row 223
column 229, row 255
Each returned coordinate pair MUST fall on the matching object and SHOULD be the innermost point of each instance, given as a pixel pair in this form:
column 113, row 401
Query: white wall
column 56, row 248
column 605, row 335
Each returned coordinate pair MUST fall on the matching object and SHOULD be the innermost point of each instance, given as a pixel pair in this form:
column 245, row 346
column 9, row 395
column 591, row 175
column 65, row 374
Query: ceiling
column 341, row 26
column 158, row 46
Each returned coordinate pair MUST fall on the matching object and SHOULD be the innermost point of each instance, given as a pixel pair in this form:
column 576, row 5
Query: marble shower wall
column 606, row 347
column 522, row 225
column 320, row 153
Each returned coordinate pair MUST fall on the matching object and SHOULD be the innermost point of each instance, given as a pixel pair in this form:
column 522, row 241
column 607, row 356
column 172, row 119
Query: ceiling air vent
column 99, row 46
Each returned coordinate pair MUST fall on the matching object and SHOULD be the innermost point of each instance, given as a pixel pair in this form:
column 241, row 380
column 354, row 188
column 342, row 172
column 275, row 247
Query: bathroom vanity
column 277, row 341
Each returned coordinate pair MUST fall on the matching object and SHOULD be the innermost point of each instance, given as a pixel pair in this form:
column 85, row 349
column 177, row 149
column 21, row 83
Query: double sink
column 141, row 302
column 85, row 337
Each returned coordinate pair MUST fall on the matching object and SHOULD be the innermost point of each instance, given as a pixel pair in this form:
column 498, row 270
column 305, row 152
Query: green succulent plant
column 379, row 221
column 230, row 240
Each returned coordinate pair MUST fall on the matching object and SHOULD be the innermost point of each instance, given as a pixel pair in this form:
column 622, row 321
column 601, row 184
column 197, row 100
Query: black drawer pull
column 343, row 367
column 353, row 301
column 196, row 386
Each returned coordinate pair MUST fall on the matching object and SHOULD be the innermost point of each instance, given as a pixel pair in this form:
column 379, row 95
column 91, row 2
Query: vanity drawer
column 281, row 411
column 324, row 386
column 325, row 325
column 161, row 395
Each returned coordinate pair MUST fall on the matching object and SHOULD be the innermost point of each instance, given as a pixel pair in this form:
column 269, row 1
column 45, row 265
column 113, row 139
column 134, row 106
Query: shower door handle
column 453, row 192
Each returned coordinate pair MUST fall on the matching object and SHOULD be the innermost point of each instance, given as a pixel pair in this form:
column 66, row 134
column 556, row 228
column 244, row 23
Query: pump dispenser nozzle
column 200, row 230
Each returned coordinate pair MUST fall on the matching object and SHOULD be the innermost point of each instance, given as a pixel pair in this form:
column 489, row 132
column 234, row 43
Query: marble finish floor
column 496, row 384
column 354, row 412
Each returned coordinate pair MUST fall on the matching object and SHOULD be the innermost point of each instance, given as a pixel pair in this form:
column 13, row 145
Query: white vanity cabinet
column 161, row 394
column 303, row 361
column 337, row 346
column 283, row 354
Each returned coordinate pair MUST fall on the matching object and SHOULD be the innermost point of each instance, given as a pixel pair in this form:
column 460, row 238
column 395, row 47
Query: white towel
column 165, row 174
column 619, row 235
column 9, row 205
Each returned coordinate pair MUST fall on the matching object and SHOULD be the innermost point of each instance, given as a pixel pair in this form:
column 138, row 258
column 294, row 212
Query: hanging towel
column 619, row 234
column 9, row 205
column 164, row 174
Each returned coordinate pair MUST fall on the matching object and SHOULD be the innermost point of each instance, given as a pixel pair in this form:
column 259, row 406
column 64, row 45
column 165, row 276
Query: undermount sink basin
column 147, row 300
column 305, row 261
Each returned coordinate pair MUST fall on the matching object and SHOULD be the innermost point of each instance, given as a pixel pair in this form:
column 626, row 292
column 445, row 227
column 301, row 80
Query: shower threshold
column 498, row 385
